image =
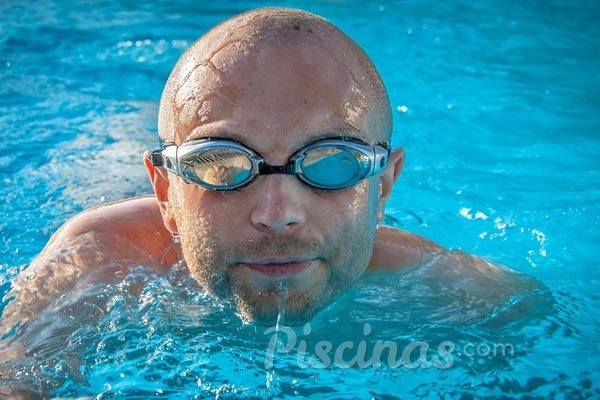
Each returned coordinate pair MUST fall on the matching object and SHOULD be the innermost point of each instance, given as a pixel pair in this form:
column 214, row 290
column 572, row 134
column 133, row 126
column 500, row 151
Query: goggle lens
column 218, row 168
column 334, row 166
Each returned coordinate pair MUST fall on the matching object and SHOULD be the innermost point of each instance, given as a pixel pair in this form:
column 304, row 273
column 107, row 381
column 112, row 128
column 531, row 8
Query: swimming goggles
column 223, row 164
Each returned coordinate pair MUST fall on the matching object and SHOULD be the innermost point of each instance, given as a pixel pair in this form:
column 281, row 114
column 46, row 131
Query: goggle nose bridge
column 268, row 169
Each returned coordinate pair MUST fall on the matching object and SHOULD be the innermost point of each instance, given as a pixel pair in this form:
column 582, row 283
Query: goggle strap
column 156, row 158
column 266, row 169
column 380, row 160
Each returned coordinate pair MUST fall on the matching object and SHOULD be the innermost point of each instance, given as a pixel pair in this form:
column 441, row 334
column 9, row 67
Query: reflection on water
column 153, row 335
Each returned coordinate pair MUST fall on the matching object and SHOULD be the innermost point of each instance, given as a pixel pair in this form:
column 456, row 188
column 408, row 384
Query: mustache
column 281, row 247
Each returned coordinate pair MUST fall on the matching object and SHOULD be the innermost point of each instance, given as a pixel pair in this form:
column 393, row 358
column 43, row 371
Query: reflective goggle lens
column 334, row 167
column 218, row 168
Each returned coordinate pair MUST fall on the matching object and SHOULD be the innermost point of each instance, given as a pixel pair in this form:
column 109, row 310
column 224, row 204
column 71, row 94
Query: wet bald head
column 198, row 91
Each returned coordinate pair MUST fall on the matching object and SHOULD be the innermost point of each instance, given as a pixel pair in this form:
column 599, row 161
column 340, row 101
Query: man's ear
column 389, row 177
column 160, row 181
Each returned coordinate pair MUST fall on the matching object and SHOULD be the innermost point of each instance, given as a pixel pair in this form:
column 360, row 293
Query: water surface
column 496, row 106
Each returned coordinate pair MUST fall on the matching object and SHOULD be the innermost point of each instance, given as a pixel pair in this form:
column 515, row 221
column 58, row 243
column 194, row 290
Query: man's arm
column 98, row 245
column 395, row 248
column 54, row 295
column 455, row 287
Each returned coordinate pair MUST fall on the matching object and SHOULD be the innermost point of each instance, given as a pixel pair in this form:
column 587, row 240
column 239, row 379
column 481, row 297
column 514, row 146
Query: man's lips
column 279, row 268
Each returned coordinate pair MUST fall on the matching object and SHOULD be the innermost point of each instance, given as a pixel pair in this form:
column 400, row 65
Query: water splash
column 272, row 378
column 282, row 296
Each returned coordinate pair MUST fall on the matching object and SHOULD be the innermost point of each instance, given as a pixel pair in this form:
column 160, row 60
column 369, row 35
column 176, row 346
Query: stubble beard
column 211, row 263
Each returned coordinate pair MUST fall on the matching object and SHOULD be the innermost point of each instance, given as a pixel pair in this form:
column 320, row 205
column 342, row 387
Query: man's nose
column 279, row 204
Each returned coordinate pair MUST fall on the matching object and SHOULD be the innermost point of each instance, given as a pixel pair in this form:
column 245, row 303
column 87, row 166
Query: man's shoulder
column 395, row 248
column 127, row 228
column 129, row 217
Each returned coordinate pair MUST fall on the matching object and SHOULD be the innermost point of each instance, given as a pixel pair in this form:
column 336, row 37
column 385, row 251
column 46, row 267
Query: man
column 271, row 180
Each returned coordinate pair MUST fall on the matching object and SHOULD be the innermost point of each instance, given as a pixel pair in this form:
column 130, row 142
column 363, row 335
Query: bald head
column 294, row 57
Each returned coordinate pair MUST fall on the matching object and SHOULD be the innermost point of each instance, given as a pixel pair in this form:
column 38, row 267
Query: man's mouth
column 279, row 268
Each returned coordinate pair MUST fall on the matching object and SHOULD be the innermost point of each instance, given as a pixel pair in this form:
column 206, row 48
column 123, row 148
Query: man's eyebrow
column 217, row 133
column 330, row 133
column 338, row 132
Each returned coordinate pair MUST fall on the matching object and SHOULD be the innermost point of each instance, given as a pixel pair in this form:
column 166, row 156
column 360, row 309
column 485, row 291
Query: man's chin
column 269, row 309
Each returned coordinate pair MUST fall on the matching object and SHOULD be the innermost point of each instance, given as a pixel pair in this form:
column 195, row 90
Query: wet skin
column 244, row 245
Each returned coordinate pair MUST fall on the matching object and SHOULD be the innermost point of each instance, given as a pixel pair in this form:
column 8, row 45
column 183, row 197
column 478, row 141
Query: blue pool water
column 496, row 104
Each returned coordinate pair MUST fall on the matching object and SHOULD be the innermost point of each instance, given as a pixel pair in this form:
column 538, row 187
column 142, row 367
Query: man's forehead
column 278, row 86
column 232, row 56
column 284, row 72
column 292, row 67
